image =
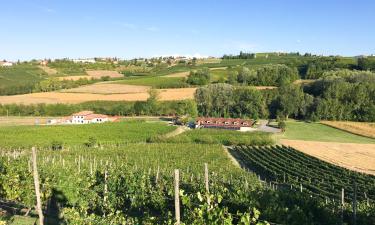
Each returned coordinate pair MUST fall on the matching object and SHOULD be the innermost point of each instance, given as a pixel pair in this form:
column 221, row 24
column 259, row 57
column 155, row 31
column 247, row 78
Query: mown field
column 156, row 82
column 320, row 132
column 359, row 128
column 217, row 136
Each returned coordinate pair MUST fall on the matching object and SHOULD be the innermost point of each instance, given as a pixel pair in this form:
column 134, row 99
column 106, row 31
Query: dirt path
column 178, row 131
column 231, row 157
column 357, row 157
column 48, row 70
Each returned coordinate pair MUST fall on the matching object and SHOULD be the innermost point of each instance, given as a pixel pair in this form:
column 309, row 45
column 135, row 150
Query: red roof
column 224, row 122
column 83, row 113
column 95, row 116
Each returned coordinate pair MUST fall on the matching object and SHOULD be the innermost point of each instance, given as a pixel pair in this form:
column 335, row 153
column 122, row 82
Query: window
column 208, row 121
column 245, row 123
column 226, row 123
column 235, row 123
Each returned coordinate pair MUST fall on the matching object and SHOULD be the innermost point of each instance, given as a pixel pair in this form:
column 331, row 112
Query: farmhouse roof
column 96, row 116
column 83, row 113
column 227, row 122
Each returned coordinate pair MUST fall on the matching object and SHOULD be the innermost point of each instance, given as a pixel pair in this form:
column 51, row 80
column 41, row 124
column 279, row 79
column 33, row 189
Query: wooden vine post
column 207, row 183
column 342, row 205
column 177, row 196
column 36, row 184
column 355, row 204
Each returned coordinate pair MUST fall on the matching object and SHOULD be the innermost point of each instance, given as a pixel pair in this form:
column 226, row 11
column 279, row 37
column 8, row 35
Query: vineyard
column 125, row 173
column 286, row 166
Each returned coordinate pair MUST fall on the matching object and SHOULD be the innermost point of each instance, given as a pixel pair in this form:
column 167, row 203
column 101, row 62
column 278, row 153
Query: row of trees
column 337, row 97
column 150, row 107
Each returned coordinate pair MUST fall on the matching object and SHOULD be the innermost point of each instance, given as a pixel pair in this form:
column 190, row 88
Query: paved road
column 263, row 127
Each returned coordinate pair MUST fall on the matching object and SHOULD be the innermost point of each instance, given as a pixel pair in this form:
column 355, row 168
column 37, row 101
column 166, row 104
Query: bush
column 282, row 125
column 56, row 145
column 91, row 142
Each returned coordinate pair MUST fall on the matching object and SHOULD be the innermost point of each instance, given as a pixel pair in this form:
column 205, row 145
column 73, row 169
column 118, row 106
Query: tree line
column 120, row 108
column 339, row 95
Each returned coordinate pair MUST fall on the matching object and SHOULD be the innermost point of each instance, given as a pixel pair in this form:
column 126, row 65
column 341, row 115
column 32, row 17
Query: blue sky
column 82, row 28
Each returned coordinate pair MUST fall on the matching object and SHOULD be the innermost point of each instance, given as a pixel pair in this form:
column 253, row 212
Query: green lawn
column 319, row 132
column 156, row 82
column 220, row 136
column 129, row 131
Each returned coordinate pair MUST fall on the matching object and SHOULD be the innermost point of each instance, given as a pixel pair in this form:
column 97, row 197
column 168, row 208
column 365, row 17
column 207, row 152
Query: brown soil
column 357, row 157
column 180, row 74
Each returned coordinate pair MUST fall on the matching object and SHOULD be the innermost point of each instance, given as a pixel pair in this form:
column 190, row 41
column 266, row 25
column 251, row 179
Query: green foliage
column 122, row 108
column 199, row 77
column 224, row 100
column 282, row 125
column 268, row 75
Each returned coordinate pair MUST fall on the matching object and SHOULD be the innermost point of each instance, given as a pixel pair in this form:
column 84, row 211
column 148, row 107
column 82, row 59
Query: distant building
column 225, row 123
column 84, row 60
column 6, row 64
column 44, row 62
column 83, row 117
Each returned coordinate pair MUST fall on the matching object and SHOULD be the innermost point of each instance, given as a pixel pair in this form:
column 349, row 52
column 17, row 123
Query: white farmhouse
column 86, row 117
column 6, row 64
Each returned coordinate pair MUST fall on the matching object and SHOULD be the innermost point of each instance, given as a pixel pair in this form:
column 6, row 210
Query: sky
column 37, row 29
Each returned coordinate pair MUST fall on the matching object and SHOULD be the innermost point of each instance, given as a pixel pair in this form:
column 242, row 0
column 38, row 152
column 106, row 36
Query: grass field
column 219, row 136
column 156, row 82
column 20, row 75
column 360, row 128
column 122, row 132
column 320, row 132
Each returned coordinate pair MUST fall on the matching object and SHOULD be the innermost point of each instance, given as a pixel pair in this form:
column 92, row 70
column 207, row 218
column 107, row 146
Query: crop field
column 296, row 169
column 320, row 132
column 353, row 156
column 121, row 132
column 156, row 82
column 108, row 88
column 360, row 128
column 74, row 98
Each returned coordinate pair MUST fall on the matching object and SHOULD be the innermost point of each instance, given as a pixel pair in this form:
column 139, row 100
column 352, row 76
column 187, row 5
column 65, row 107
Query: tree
column 199, row 77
